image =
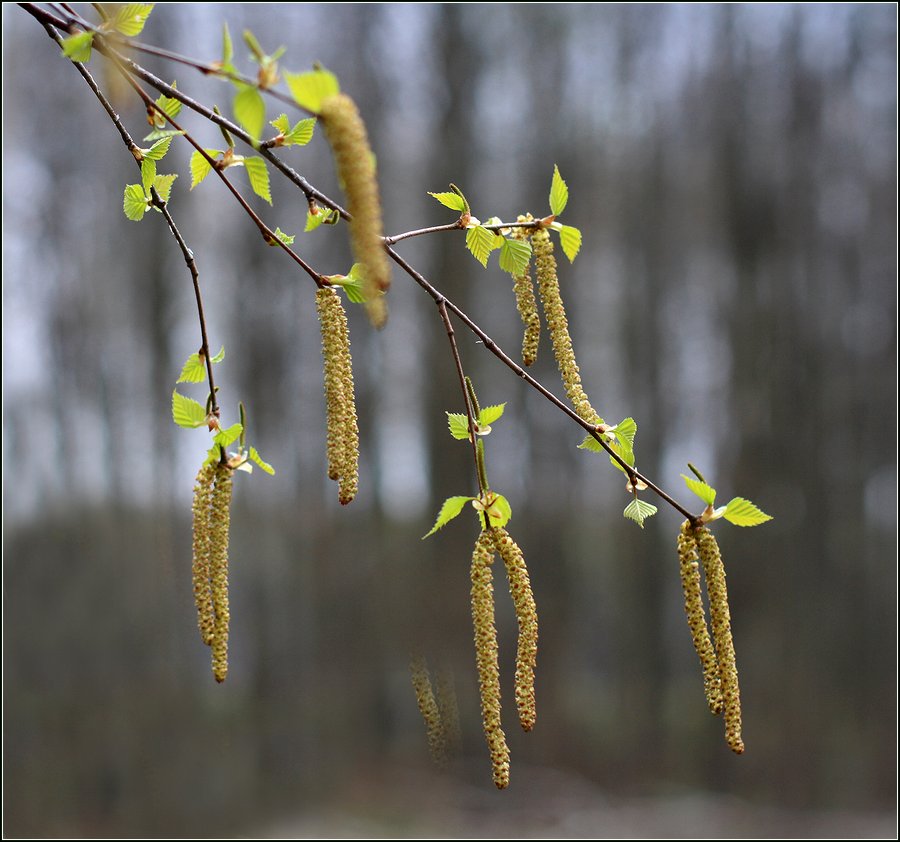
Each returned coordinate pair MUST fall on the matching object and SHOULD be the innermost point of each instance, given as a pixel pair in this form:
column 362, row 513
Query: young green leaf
column 157, row 134
column 253, row 44
column 623, row 441
column 225, row 437
column 302, row 133
column 148, row 173
column 130, row 18
column 559, row 193
column 458, row 424
column 158, row 150
column 742, row 512
column 638, row 510
column 250, row 110
column 259, row 177
column 281, row 123
column 482, row 242
column 135, row 203
column 193, row 370
column 260, row 462
column 309, row 89
column 227, row 46
column 163, row 185
column 499, row 512
column 515, row 256
column 590, row 443
column 200, row 167
column 489, row 414
column 705, row 492
column 451, row 508
column 570, row 239
column 186, row 412
column 450, row 200
column 220, row 356
column 170, row 105
column 287, row 239
column 78, row 46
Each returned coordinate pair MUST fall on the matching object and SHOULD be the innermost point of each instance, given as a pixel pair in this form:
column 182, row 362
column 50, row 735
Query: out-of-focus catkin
column 486, row 656
column 428, row 707
column 558, row 325
column 714, row 571
column 220, row 521
column 526, row 614
column 696, row 616
column 201, row 551
column 342, row 428
column 346, row 133
column 526, row 303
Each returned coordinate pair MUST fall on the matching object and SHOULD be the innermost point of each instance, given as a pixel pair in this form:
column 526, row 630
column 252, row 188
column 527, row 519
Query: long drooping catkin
column 714, row 570
column 201, row 551
column 696, row 616
column 428, row 708
column 526, row 303
column 342, row 429
column 486, row 656
column 346, row 133
column 526, row 614
column 558, row 325
column 220, row 521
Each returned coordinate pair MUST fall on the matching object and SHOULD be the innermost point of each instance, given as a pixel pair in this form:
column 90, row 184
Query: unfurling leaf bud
column 696, row 616
column 220, row 520
column 340, row 404
column 486, row 656
column 558, row 325
column 346, row 133
column 201, row 552
column 714, row 570
column 526, row 303
column 526, row 614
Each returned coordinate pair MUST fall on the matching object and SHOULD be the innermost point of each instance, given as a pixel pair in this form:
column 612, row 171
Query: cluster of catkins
column 720, row 677
column 212, row 518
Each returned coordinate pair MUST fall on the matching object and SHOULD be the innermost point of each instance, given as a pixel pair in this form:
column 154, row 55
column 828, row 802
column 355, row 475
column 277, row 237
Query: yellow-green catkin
column 486, row 656
column 526, row 303
column 220, row 521
column 558, row 325
column 428, row 707
column 696, row 617
column 526, row 614
column 355, row 164
column 714, row 570
column 342, row 428
column 201, row 549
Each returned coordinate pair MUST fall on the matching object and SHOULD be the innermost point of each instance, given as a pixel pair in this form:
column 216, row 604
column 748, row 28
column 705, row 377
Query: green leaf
column 148, row 173
column 488, row 415
column 481, row 243
column 623, row 443
column 451, row 508
column 310, row 89
column 186, row 412
column 590, row 443
column 200, row 167
column 259, row 177
column 227, row 46
column 515, row 255
column 78, row 46
column 742, row 512
column 250, row 110
column 638, row 510
column 212, row 455
column 323, row 217
column 259, row 461
column 302, row 133
column 220, row 356
column 193, row 370
column 450, row 200
column 559, row 194
column 135, row 203
column 131, row 17
column 570, row 239
column 158, row 150
column 281, row 123
column 253, row 44
column 705, row 492
column 458, row 424
column 287, row 239
column 163, row 185
column 156, row 134
column 499, row 511
column 225, row 437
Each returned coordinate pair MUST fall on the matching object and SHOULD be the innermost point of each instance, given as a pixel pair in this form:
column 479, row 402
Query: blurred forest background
column 733, row 169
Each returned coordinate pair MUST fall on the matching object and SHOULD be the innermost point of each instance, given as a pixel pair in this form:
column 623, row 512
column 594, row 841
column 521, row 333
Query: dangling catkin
column 526, row 614
column 220, row 520
column 696, row 616
column 346, row 133
column 486, row 656
column 201, row 549
column 342, row 430
column 558, row 325
column 526, row 303
column 428, row 707
column 714, row 570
